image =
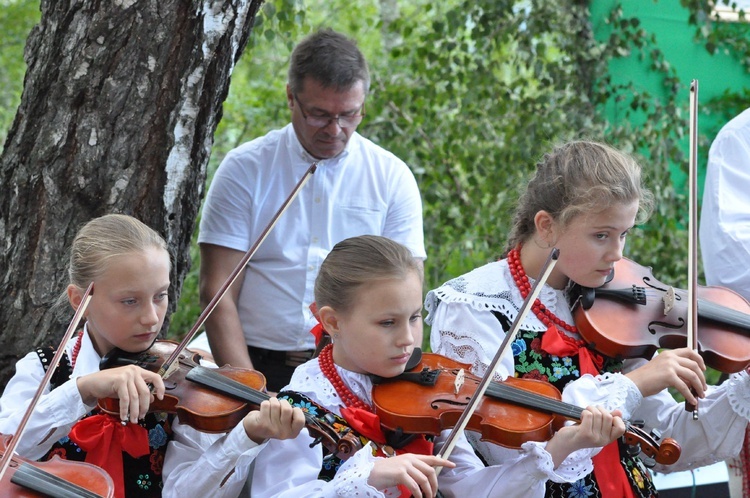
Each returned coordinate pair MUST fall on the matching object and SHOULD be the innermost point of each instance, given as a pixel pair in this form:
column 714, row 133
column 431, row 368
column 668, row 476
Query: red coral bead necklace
column 325, row 360
column 522, row 282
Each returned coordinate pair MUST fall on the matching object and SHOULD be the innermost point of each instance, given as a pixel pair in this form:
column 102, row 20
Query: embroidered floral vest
column 533, row 363
column 142, row 476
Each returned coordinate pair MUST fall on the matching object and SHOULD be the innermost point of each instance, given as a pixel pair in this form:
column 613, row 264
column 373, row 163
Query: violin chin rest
column 416, row 358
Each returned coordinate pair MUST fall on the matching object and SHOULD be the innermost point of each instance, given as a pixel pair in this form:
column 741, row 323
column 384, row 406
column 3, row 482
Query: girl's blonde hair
column 104, row 238
column 357, row 261
column 578, row 177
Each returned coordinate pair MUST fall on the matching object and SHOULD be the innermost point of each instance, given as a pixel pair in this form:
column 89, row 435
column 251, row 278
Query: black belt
column 290, row 358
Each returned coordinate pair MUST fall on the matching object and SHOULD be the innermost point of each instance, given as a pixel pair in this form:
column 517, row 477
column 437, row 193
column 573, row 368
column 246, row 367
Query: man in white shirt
column 725, row 235
column 358, row 188
column 725, row 216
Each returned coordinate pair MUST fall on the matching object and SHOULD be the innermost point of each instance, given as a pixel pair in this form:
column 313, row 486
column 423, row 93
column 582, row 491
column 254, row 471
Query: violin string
column 533, row 400
column 207, row 377
column 711, row 310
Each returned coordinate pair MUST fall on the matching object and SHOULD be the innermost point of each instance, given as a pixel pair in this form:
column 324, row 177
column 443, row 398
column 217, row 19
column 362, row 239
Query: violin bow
column 463, row 420
column 167, row 366
column 692, row 304
column 13, row 443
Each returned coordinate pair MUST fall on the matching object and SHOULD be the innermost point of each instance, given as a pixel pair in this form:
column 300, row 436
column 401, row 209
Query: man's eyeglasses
column 345, row 121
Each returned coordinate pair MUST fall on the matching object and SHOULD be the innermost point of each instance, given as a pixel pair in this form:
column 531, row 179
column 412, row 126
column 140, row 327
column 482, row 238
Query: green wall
column 668, row 22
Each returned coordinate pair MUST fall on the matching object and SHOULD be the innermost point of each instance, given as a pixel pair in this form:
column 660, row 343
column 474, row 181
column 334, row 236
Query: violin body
column 215, row 400
column 438, row 407
column 57, row 477
column 511, row 412
column 633, row 315
column 198, row 406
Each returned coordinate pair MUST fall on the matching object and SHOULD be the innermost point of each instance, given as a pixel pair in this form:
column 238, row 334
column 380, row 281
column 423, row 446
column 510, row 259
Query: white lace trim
column 738, row 392
column 577, row 465
column 351, row 479
column 491, row 288
column 465, row 349
column 623, row 394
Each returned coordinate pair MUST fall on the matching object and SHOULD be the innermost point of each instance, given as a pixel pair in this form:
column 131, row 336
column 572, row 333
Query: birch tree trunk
column 121, row 99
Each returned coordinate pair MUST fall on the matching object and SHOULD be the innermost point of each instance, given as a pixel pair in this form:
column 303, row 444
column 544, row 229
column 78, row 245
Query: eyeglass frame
column 328, row 119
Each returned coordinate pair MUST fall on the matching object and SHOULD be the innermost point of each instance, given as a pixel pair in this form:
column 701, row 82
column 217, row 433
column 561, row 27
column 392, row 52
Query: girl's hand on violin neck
column 681, row 369
column 275, row 419
column 598, row 427
column 416, row 472
column 129, row 384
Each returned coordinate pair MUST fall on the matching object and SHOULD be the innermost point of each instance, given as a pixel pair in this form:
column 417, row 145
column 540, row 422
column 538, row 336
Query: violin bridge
column 668, row 300
column 459, row 382
column 172, row 369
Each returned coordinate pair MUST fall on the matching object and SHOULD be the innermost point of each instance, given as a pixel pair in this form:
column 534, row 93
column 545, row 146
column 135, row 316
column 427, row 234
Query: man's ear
column 289, row 97
column 329, row 319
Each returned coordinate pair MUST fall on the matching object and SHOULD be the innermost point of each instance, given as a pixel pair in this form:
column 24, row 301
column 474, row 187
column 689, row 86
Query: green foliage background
column 470, row 93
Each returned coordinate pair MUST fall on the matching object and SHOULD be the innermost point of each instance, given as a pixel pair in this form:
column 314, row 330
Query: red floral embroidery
column 535, row 374
column 536, row 346
column 157, row 462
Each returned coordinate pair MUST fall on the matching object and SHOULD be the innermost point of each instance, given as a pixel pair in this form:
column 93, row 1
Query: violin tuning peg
column 656, row 434
column 316, row 441
column 329, row 418
column 633, row 450
column 638, row 423
column 648, row 461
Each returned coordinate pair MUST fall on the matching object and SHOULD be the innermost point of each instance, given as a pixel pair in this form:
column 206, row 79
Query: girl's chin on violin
column 140, row 342
column 402, row 359
column 393, row 366
column 594, row 279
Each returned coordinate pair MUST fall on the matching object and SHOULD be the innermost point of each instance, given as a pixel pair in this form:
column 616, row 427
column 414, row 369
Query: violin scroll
column 665, row 452
column 342, row 445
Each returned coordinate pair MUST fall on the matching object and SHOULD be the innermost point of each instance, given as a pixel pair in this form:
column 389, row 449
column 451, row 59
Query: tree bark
column 120, row 103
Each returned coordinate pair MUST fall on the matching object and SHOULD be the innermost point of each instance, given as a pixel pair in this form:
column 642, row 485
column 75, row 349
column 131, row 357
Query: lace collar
column 491, row 288
column 309, row 380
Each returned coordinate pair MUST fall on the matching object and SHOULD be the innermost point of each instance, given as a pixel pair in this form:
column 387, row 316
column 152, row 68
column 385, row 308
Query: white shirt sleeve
column 716, row 435
column 54, row 415
column 200, row 464
column 522, row 475
column 403, row 221
column 289, row 469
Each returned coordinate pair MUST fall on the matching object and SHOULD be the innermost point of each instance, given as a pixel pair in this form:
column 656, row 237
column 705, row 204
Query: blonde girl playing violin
column 129, row 265
column 369, row 298
column 584, row 199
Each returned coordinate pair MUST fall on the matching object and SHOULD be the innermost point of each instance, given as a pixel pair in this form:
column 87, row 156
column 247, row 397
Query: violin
column 512, row 412
column 633, row 314
column 56, row 477
column 215, row 400
column 202, row 408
